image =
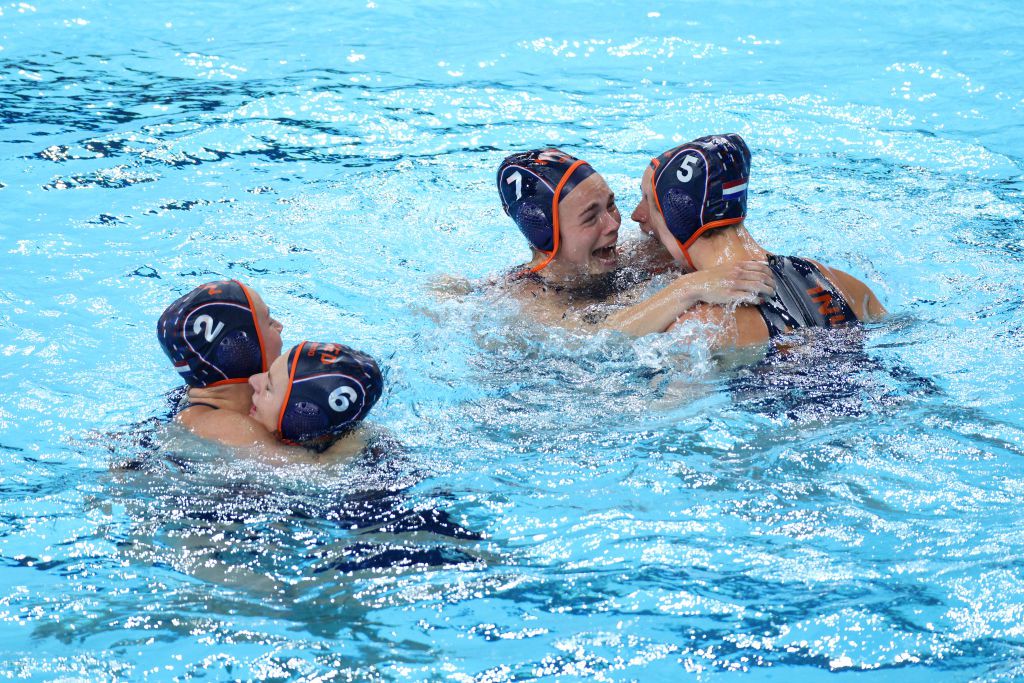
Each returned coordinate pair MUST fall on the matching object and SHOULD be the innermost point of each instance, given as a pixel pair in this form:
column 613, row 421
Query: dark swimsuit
column 803, row 298
column 198, row 403
column 177, row 402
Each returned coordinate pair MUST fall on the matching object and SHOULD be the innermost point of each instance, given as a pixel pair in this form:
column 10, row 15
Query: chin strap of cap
column 556, row 230
column 293, row 363
column 657, row 202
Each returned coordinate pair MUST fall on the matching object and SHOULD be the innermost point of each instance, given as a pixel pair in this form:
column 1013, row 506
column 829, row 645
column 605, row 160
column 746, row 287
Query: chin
column 603, row 268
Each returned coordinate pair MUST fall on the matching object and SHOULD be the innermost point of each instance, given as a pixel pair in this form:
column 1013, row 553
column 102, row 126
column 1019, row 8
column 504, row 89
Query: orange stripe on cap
column 703, row 229
column 654, row 193
column 554, row 214
column 233, row 380
column 256, row 322
column 288, row 392
column 654, row 190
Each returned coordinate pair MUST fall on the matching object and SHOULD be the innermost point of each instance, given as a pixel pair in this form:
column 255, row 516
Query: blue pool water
column 565, row 508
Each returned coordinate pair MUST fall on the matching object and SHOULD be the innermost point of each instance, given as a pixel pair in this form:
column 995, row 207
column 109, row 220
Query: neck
column 236, row 397
column 724, row 246
column 557, row 274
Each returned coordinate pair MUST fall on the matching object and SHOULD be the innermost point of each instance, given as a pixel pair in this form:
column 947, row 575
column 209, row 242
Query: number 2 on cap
column 686, row 165
column 516, row 178
column 204, row 325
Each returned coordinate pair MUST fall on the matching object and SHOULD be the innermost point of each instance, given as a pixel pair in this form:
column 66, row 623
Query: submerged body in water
column 282, row 530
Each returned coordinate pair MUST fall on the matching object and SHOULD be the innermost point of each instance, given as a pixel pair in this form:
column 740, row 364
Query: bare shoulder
column 453, row 287
column 348, row 446
column 226, row 427
column 860, row 297
column 727, row 327
column 543, row 304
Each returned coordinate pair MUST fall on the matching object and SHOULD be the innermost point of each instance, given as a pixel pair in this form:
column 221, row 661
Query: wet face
column 270, row 329
column 589, row 224
column 652, row 222
column 268, row 392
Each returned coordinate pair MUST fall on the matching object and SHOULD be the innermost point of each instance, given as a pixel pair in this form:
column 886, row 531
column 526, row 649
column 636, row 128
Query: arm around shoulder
column 227, row 427
column 732, row 283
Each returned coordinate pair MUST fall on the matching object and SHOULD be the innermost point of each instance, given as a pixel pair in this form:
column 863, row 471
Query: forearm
column 658, row 312
column 229, row 428
column 728, row 284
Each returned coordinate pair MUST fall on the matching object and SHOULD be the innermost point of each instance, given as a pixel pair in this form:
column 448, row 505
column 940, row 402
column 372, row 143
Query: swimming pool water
column 562, row 507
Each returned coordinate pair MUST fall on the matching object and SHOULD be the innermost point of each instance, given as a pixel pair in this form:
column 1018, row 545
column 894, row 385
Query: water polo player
column 569, row 217
column 316, row 393
column 217, row 336
column 694, row 199
column 220, row 335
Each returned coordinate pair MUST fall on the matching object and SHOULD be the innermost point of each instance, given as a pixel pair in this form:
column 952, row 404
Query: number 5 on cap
column 686, row 165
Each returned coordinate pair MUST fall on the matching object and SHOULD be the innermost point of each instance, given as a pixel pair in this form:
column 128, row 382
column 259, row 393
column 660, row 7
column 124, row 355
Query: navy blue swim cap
column 212, row 336
column 702, row 185
column 531, row 184
column 331, row 388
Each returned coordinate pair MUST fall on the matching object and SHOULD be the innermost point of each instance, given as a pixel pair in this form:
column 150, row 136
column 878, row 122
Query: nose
column 276, row 324
column 639, row 213
column 256, row 381
column 612, row 219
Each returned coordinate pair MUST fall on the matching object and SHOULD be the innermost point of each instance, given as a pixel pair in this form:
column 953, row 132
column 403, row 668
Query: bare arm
column 733, row 283
column 227, row 427
column 241, row 431
column 450, row 286
column 727, row 328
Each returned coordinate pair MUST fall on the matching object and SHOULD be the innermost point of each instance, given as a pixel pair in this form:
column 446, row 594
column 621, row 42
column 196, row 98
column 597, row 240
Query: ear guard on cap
column 535, row 223
column 212, row 336
column 702, row 185
column 531, row 184
column 331, row 388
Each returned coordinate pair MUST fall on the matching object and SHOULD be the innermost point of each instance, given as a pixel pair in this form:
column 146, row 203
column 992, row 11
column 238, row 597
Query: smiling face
column 268, row 392
column 652, row 222
column 270, row 329
column 589, row 224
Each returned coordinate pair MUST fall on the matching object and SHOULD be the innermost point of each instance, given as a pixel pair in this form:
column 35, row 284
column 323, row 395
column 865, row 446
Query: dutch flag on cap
column 734, row 189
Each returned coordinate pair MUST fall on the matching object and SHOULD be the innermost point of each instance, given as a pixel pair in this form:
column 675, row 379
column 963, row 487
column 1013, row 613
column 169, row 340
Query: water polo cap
column 212, row 336
column 330, row 388
column 701, row 185
column 531, row 184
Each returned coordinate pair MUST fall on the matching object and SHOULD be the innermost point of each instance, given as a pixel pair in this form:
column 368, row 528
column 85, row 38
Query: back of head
column 531, row 184
column 702, row 185
column 212, row 335
column 331, row 388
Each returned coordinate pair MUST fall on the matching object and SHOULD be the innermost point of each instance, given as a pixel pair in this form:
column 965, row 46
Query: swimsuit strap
column 193, row 404
column 804, row 297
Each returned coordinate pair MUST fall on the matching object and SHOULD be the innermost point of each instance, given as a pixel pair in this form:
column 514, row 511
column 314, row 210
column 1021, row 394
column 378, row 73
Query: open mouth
column 605, row 253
